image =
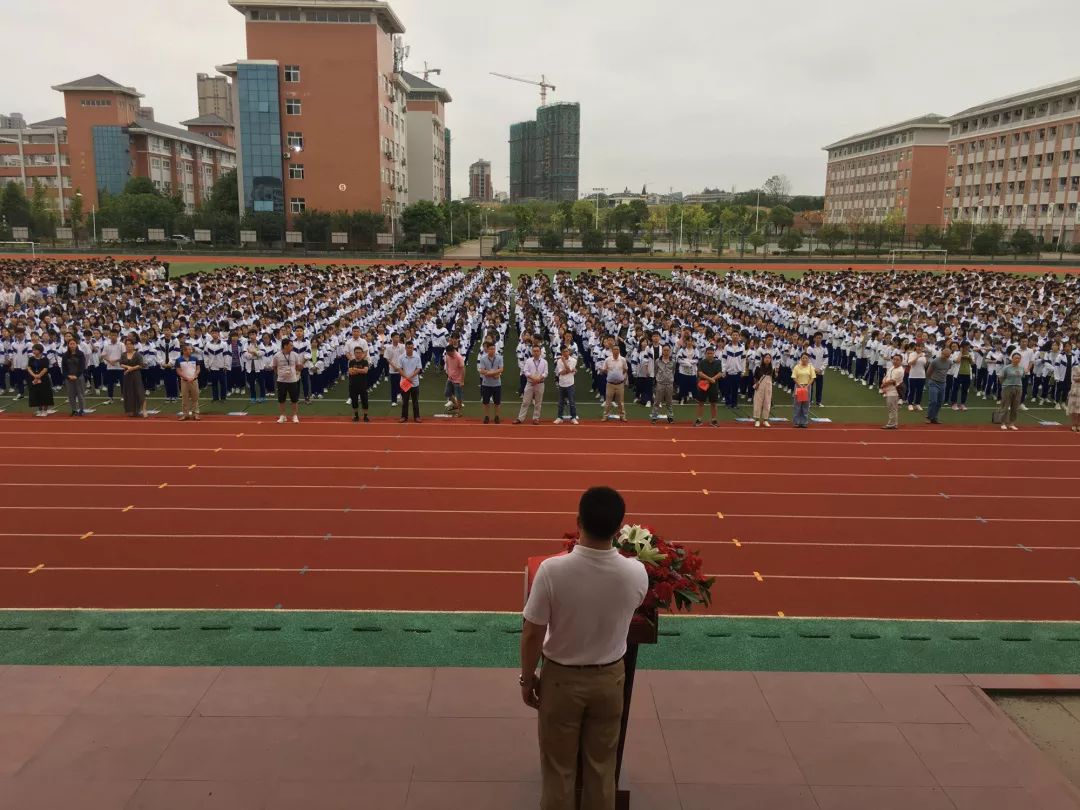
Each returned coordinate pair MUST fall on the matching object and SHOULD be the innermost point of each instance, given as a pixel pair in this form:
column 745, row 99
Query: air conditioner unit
column 389, row 154
column 404, row 162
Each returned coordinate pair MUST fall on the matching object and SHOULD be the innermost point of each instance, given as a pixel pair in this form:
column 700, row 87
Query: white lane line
column 515, row 573
column 519, row 453
column 531, row 470
column 569, row 436
column 420, row 487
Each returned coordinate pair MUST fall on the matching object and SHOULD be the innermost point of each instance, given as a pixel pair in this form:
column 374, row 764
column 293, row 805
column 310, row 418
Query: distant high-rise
column 13, row 121
column 446, row 136
column 544, row 154
column 480, row 181
column 215, row 96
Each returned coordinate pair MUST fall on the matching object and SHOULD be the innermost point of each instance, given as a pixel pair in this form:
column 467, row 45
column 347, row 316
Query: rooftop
column 97, row 82
column 383, row 9
column 154, row 128
column 418, row 85
column 51, row 122
column 1024, row 97
column 208, row 120
column 928, row 121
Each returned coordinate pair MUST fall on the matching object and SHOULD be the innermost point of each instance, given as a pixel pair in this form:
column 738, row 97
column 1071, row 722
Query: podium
column 644, row 629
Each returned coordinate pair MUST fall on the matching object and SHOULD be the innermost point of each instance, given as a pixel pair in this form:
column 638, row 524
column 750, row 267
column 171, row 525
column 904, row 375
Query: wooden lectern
column 643, row 630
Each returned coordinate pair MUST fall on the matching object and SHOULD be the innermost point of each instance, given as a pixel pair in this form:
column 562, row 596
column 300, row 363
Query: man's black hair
column 600, row 512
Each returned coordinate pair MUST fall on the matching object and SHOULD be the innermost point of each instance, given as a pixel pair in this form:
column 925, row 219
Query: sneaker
column 517, row 421
column 956, row 407
column 366, row 418
column 498, row 420
column 911, row 407
column 486, row 420
column 714, row 423
column 757, row 423
column 1004, row 427
column 963, row 407
column 418, row 420
column 1023, row 407
column 196, row 417
column 296, row 419
column 356, row 417
column 403, row 419
column 558, row 421
column 282, row 419
column 918, row 407
column 766, row 423
column 888, row 427
column 536, row 421
column 74, row 413
column 1013, row 427
column 671, row 420
column 181, row 417
column 648, row 404
column 574, row 421
column 448, row 405
column 697, row 423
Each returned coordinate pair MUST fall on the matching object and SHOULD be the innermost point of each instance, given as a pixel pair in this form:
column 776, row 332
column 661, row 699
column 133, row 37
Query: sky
column 678, row 95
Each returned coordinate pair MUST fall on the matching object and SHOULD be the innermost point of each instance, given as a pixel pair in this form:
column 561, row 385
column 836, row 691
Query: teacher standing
column 131, row 384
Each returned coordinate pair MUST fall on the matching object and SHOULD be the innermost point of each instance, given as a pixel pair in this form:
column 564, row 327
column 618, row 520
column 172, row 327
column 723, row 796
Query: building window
column 292, row 73
column 296, row 171
column 297, row 205
column 292, row 106
column 295, row 140
column 96, row 102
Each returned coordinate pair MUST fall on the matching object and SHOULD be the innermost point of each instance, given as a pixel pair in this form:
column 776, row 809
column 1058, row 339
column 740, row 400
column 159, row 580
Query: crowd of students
column 698, row 336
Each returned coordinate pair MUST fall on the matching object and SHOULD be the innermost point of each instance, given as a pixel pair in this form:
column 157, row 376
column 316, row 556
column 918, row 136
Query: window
column 292, row 73
column 295, row 140
column 292, row 106
column 296, row 171
column 297, row 205
column 96, row 102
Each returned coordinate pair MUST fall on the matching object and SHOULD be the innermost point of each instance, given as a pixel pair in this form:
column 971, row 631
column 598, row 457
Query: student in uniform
column 111, row 352
column 890, row 389
column 168, row 352
column 733, row 366
column 819, row 359
column 358, row 371
column 302, row 346
column 215, row 359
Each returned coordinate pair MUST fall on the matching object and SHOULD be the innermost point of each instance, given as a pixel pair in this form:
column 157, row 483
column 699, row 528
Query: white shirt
column 587, row 599
column 896, row 374
column 565, row 370
column 535, row 368
column 284, row 366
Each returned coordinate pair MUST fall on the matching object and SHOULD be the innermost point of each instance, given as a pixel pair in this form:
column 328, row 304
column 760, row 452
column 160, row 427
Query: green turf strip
column 291, row 638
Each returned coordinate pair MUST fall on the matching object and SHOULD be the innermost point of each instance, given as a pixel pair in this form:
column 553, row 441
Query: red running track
column 958, row 523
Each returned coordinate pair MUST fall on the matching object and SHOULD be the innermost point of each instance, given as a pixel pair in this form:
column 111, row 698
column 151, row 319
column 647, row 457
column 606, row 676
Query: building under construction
column 544, row 154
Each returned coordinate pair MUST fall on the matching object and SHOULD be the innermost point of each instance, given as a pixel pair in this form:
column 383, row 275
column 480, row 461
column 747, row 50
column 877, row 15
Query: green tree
column 134, row 213
column 640, row 212
column 422, row 216
column 224, row 196
column 738, row 220
column 781, row 218
column 42, row 217
column 592, row 241
column 1022, row 241
column 656, row 223
column 958, row 236
column 624, row 242
column 756, row 239
column 314, row 225
column 802, row 202
column 268, row 226
column 790, row 241
column 141, row 185
column 524, row 221
column 14, row 207
column 928, row 236
column 551, row 240
column 583, row 215
column 988, row 238
column 831, row 235
column 778, row 189
column 695, row 222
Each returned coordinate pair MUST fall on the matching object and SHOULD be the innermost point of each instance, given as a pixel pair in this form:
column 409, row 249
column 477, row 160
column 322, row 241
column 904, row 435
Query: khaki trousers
column 534, row 395
column 579, row 706
column 189, row 397
column 763, row 399
column 892, row 405
column 614, row 393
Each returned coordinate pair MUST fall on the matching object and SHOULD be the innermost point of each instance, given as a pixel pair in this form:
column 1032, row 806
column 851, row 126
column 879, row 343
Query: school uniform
column 168, row 352
column 734, row 363
column 819, row 359
column 215, row 359
column 302, row 347
column 111, row 353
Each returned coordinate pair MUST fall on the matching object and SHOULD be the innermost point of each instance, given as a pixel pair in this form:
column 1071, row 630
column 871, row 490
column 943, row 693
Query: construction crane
column 427, row 71
column 543, row 84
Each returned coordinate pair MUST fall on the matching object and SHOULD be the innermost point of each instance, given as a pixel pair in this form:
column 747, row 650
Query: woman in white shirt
column 890, row 389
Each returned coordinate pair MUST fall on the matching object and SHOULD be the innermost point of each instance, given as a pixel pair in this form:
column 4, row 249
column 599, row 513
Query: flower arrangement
column 674, row 571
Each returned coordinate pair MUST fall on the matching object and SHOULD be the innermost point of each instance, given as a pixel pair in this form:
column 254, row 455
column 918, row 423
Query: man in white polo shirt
column 578, row 615
column 287, row 366
column 535, row 371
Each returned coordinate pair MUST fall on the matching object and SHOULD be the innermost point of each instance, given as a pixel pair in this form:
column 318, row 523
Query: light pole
column 93, row 217
column 596, row 218
column 389, row 202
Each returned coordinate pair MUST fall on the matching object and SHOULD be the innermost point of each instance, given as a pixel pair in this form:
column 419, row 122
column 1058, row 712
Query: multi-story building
column 427, row 165
column 102, row 142
column 215, row 96
column 1016, row 161
column 709, row 195
column 320, row 109
column 13, row 121
column 897, row 168
column 480, row 181
column 212, row 126
column 544, row 154
column 446, row 134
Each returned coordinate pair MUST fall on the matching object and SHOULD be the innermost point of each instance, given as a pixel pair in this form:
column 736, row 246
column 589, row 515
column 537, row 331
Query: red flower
column 664, row 591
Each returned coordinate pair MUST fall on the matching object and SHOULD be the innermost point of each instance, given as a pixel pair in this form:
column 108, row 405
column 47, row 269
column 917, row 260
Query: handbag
column 802, row 394
column 997, row 416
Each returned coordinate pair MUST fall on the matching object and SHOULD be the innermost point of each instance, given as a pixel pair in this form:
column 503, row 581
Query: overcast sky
column 681, row 94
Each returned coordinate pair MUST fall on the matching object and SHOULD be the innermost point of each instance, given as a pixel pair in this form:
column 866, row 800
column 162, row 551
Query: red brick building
column 895, row 170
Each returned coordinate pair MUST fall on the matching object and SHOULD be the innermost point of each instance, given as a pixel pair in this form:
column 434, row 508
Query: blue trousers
column 219, row 384
column 566, row 398
column 937, row 399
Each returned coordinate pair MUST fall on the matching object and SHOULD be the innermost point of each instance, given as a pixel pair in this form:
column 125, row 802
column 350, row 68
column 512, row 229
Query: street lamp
column 596, row 218
column 93, row 215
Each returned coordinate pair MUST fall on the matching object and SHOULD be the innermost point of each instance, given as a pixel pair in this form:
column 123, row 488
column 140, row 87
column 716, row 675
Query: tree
column 551, row 240
column 583, row 215
column 136, row 212
column 75, row 214
column 592, row 241
column 958, row 236
column 42, row 218
column 640, row 212
column 224, row 196
column 893, row 226
column 422, row 216
column 756, row 239
column 928, row 236
column 738, row 220
column 695, row 222
column 790, row 241
column 140, row 185
column 314, row 225
column 624, row 242
column 781, row 217
column 1022, row 241
column 778, row 189
column 14, row 207
column 524, row 221
column 268, row 226
column 803, row 202
column 656, row 223
column 987, row 240
column 832, row 235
